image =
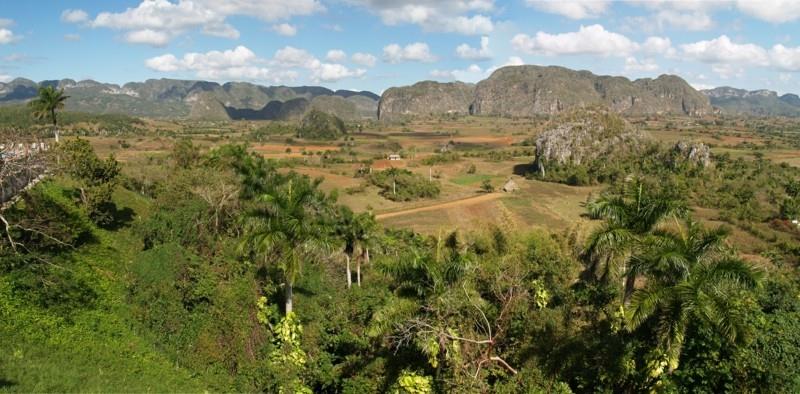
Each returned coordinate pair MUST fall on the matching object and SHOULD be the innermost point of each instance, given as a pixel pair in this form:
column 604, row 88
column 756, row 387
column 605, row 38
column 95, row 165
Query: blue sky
column 376, row 44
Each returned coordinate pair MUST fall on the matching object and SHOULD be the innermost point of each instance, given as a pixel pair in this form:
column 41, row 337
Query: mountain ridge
column 760, row 102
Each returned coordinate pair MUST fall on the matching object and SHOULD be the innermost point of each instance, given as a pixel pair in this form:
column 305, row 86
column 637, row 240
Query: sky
column 377, row 44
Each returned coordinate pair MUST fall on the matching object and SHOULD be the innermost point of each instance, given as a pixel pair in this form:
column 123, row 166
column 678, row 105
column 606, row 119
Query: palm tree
column 690, row 278
column 47, row 103
column 356, row 232
column 284, row 226
column 629, row 218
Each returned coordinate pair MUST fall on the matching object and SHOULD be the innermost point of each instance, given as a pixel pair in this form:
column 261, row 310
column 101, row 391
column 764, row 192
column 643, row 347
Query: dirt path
column 444, row 205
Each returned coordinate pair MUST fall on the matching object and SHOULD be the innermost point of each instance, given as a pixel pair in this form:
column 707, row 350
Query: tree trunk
column 358, row 272
column 366, row 261
column 630, row 286
column 289, row 295
column 349, row 275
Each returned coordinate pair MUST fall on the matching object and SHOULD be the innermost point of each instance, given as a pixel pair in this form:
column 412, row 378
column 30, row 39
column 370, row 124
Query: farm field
column 488, row 150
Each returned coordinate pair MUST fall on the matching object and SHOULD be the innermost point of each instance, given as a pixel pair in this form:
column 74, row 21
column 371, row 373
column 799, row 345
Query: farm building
column 395, row 157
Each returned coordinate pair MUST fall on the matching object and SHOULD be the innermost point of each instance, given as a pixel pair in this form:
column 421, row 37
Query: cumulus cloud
column 573, row 9
column 588, row 40
column 285, row 29
column 473, row 73
column 658, row 46
column 646, row 65
column 465, row 51
column 416, row 52
column 364, row 59
column 512, row 61
column 774, row 11
column 150, row 37
column 5, row 78
column 336, row 56
column 158, row 19
column 456, row 16
column 241, row 63
column 784, row 58
column 74, row 16
column 694, row 21
column 7, row 36
column 722, row 50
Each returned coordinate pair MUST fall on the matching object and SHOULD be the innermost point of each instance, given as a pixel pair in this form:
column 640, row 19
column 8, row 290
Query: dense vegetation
column 318, row 125
column 231, row 273
column 403, row 185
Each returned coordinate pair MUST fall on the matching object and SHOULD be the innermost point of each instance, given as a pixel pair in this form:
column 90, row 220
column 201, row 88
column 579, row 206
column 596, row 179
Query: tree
column 356, row 232
column 690, row 278
column 46, row 105
column 283, row 227
column 629, row 217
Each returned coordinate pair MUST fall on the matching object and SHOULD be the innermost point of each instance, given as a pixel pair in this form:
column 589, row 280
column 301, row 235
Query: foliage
column 403, row 185
column 318, row 125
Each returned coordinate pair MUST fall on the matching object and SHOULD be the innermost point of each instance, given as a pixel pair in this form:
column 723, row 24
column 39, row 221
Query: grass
column 471, row 179
column 89, row 348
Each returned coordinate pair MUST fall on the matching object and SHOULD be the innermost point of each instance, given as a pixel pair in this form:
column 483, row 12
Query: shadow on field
column 524, row 169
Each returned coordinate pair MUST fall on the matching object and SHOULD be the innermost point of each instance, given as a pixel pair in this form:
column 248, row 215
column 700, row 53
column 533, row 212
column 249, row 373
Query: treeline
column 246, row 277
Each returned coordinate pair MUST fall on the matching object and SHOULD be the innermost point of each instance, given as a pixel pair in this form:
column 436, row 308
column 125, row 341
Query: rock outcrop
column 581, row 142
column 696, row 153
column 426, row 98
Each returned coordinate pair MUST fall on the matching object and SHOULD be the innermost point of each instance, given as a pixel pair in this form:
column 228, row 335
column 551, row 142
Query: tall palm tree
column 629, row 218
column 284, row 226
column 690, row 278
column 46, row 105
column 356, row 232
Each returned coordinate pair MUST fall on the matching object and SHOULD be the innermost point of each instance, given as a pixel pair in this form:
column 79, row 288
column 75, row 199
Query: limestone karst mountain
column 170, row 98
column 526, row 91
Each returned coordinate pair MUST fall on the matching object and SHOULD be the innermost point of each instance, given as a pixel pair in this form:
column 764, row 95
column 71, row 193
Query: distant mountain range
column 169, row 98
column 516, row 91
column 757, row 102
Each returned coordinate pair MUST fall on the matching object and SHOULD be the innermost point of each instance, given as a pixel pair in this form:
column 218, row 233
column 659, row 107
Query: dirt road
column 444, row 205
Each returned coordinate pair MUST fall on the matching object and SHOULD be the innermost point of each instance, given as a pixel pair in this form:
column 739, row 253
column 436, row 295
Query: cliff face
column 755, row 103
column 527, row 91
column 426, row 98
column 533, row 90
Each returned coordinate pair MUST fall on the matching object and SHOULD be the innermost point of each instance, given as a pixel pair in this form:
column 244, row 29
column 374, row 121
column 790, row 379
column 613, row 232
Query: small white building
column 394, row 157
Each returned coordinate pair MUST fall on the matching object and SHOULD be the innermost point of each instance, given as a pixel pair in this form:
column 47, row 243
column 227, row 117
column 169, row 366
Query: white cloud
column 694, row 21
column 658, row 46
column 364, row 59
column 646, row 65
column 465, row 51
column 163, row 18
column 774, row 11
column 512, row 61
column 150, row 37
column 784, row 58
column 702, row 86
column 327, row 72
column 237, row 64
column 416, row 52
column 785, row 77
column 727, row 71
column 285, row 29
column 473, row 73
column 5, row 78
column 74, row 16
column 7, row 36
column 293, row 57
column 336, row 56
column 72, row 37
column 588, row 40
column 722, row 50
column 456, row 16
column 573, row 9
